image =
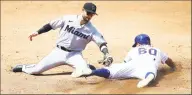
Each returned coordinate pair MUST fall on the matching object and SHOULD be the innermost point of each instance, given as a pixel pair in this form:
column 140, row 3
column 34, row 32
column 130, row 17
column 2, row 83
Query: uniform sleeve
column 57, row 23
column 98, row 38
column 164, row 57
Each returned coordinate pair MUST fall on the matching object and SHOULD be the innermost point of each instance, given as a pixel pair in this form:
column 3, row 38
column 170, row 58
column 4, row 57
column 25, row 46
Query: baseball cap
column 90, row 7
column 142, row 39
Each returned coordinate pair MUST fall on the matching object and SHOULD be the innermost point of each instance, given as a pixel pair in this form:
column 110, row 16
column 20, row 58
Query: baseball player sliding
column 141, row 62
column 76, row 31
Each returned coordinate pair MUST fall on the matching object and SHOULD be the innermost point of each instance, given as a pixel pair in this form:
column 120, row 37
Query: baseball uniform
column 72, row 40
column 138, row 62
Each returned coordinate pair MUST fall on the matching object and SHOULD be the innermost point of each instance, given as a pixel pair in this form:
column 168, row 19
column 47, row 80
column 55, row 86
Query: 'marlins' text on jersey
column 77, row 33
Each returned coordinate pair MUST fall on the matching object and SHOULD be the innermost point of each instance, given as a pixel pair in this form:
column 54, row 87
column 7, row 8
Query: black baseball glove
column 107, row 60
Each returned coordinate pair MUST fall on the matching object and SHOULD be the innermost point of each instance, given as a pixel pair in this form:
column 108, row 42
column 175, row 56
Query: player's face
column 138, row 44
column 87, row 16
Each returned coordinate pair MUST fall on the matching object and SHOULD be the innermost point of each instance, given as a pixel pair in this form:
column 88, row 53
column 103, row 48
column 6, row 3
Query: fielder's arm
column 104, row 49
column 54, row 24
column 100, row 41
column 107, row 60
column 45, row 28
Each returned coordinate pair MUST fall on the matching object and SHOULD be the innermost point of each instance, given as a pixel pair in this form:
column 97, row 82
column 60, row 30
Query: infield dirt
column 168, row 23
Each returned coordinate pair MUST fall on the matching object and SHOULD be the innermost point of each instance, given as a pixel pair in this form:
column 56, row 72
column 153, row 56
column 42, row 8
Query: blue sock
column 101, row 72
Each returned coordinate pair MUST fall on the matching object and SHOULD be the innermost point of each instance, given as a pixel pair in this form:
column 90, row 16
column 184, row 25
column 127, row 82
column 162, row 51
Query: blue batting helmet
column 142, row 39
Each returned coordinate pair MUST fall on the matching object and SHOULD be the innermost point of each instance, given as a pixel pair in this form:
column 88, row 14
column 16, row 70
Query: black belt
column 63, row 48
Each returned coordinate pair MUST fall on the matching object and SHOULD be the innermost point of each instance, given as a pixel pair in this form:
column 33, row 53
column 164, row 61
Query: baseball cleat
column 17, row 68
column 79, row 72
column 145, row 81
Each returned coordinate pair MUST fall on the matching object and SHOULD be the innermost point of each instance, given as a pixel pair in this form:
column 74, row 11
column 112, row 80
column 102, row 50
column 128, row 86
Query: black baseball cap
column 90, row 7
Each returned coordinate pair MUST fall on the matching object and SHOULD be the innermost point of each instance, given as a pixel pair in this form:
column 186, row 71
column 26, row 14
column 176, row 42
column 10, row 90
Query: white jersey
column 74, row 36
column 138, row 62
column 146, row 55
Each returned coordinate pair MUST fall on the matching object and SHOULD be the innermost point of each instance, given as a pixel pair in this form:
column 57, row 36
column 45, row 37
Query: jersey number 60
column 150, row 51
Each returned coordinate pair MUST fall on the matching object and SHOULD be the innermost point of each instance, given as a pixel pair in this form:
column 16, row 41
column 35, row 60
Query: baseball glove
column 107, row 60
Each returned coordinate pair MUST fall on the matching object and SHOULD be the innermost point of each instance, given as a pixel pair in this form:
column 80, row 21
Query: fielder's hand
column 33, row 35
column 107, row 61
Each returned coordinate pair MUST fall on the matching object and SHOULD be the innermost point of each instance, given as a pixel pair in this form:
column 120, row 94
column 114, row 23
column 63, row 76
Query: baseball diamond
column 93, row 47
